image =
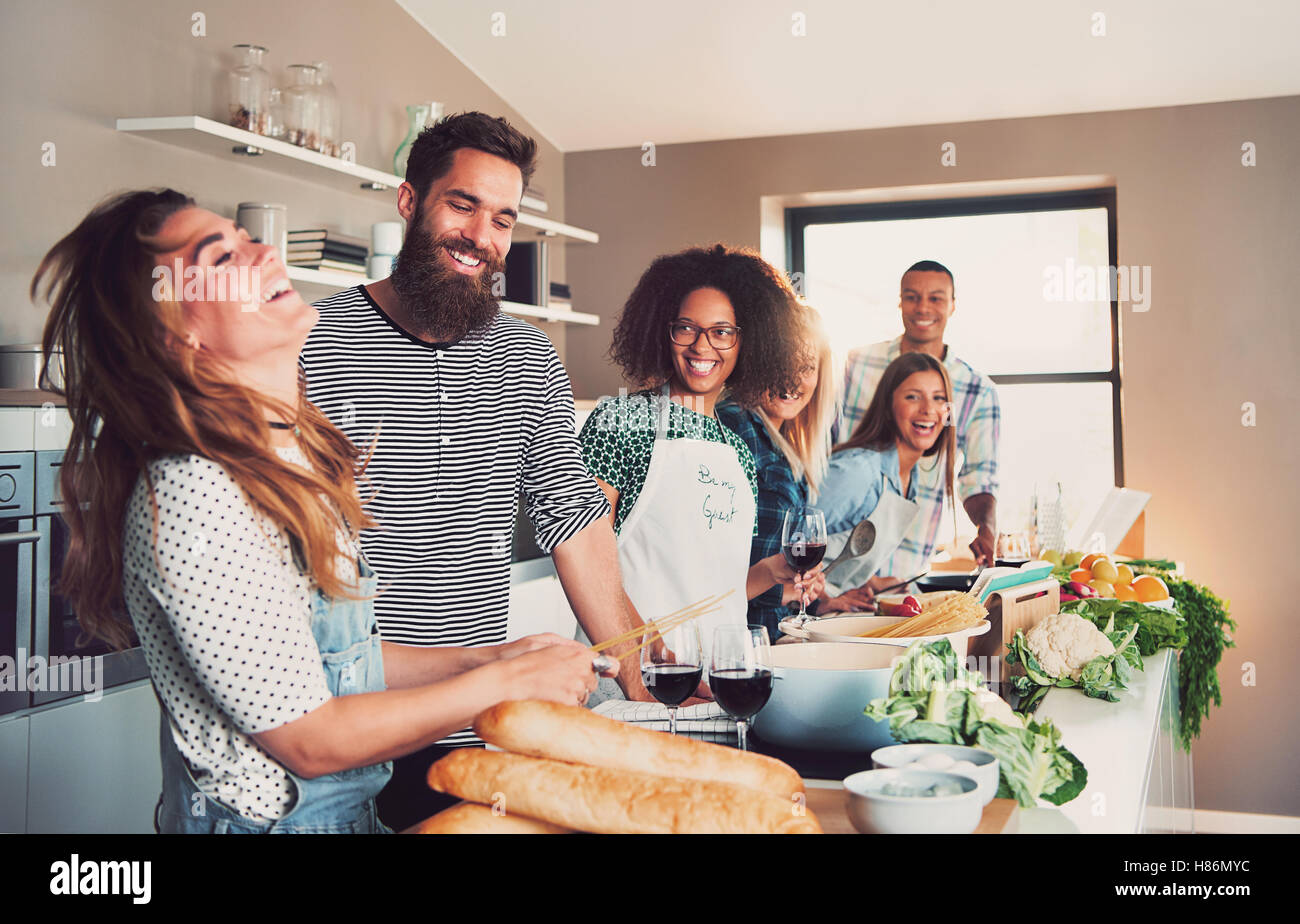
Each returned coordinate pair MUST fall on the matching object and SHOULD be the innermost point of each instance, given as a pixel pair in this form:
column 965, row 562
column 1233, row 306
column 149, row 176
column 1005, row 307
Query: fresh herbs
column 1209, row 630
column 932, row 697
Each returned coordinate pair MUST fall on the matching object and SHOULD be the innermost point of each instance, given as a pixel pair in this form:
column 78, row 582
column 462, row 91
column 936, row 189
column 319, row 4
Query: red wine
column 672, row 683
column 805, row 556
column 741, row 692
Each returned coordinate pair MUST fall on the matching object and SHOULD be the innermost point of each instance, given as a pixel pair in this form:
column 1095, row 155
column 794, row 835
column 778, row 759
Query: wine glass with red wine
column 803, row 543
column 671, row 666
column 740, row 673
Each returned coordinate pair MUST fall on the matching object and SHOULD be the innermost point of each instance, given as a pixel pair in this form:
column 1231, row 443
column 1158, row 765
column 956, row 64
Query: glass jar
column 249, row 85
column 275, row 118
column 301, row 101
column 331, row 138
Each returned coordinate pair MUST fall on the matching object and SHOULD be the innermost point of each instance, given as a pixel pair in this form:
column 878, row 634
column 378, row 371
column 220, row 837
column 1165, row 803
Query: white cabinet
column 13, row 775
column 93, row 767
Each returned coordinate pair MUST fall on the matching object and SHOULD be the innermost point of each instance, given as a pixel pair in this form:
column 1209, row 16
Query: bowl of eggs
column 973, row 763
column 894, row 801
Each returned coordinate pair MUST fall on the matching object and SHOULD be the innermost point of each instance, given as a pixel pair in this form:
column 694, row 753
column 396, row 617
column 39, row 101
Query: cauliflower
column 1066, row 650
column 1063, row 643
column 997, row 709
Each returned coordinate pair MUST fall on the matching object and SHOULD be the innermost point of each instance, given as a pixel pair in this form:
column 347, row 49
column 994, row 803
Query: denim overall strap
column 339, row 803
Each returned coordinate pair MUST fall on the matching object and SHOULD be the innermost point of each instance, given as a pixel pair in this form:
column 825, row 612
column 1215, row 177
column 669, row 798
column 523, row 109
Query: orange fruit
column 1125, row 592
column 1082, row 575
column 1125, row 574
column 1150, row 588
column 1089, row 560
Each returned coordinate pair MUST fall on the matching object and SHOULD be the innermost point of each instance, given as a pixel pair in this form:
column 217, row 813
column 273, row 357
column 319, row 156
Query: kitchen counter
column 1139, row 778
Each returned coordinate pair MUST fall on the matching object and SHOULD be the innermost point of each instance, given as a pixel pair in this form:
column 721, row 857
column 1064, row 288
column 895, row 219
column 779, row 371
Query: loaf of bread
column 472, row 818
column 606, row 801
column 579, row 736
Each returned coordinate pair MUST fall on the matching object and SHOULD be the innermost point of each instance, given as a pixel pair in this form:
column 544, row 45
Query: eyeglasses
column 721, row 338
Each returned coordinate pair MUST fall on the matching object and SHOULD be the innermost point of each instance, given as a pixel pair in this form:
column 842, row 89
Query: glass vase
column 418, row 117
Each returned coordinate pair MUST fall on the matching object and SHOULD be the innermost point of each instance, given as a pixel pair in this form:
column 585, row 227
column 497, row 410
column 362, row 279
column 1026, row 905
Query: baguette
column 579, row 736
column 606, row 801
column 472, row 818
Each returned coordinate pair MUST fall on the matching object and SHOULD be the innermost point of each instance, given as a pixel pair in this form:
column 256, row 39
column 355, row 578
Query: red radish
column 911, row 601
column 1080, row 590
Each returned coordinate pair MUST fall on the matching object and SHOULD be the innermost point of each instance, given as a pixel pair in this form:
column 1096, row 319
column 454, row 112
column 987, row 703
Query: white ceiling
column 592, row 74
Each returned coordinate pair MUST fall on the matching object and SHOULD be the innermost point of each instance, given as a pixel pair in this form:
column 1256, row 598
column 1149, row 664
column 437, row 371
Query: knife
column 885, row 590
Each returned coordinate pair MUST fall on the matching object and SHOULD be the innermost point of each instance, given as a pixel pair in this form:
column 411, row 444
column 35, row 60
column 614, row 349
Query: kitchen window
column 1035, row 311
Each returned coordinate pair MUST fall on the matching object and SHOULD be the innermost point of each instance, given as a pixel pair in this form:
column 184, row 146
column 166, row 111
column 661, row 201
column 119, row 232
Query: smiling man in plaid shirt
column 927, row 299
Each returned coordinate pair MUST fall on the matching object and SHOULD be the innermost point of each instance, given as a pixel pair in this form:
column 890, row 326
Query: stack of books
column 317, row 248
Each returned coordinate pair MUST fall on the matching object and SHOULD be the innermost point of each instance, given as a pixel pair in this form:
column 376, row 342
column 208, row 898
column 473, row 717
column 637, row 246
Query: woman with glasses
column 871, row 473
column 682, row 485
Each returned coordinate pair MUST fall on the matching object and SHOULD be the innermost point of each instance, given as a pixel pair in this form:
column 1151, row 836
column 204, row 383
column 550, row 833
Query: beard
column 439, row 301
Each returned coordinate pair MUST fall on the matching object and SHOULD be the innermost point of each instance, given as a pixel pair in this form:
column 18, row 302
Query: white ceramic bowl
column 849, row 629
column 986, row 765
column 872, row 812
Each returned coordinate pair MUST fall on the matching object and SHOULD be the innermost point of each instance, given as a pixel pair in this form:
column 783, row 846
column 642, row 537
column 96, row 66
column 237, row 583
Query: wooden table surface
column 831, row 808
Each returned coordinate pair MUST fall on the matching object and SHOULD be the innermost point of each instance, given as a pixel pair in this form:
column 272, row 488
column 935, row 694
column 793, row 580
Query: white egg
column 936, row 761
column 962, row 766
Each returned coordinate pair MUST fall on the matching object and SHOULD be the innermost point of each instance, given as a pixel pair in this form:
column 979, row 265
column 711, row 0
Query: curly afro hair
column 767, row 312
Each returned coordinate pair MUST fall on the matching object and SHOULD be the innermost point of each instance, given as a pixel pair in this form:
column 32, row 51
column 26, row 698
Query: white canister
column 386, row 238
column 380, row 266
column 266, row 223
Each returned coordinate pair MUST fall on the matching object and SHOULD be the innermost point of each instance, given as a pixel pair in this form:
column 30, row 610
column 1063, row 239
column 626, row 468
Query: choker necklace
column 277, row 425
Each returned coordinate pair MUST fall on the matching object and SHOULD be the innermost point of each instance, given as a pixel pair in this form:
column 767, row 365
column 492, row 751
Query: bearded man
column 462, row 408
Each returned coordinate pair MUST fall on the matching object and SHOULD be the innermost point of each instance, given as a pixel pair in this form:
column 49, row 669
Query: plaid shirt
column 778, row 491
column 978, row 419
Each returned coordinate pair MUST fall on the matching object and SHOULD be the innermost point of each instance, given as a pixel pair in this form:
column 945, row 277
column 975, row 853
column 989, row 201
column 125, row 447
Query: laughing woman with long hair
column 214, row 512
column 907, row 426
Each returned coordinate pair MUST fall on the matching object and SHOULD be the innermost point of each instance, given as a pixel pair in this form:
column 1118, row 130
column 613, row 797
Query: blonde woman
column 788, row 434
column 213, row 513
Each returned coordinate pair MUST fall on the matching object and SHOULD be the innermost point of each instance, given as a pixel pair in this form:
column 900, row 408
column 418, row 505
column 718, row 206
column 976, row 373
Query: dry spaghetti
column 952, row 615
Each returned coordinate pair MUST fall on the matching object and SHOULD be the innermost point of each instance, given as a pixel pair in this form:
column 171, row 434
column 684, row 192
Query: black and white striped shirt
column 458, row 430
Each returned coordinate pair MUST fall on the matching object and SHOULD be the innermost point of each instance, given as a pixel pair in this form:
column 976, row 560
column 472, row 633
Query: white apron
column 893, row 517
column 689, row 533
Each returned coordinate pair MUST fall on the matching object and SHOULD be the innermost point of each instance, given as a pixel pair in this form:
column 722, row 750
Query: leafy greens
column 933, row 698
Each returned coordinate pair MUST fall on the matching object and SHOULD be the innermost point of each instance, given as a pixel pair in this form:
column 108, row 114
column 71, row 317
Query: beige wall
column 71, row 68
column 1222, row 242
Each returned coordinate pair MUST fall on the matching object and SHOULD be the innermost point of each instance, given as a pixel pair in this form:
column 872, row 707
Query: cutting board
column 831, row 808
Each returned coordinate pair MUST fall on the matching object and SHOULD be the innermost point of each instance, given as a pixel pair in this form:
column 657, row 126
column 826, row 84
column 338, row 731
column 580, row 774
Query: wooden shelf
column 217, row 139
column 347, row 280
column 326, row 277
column 549, row 314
